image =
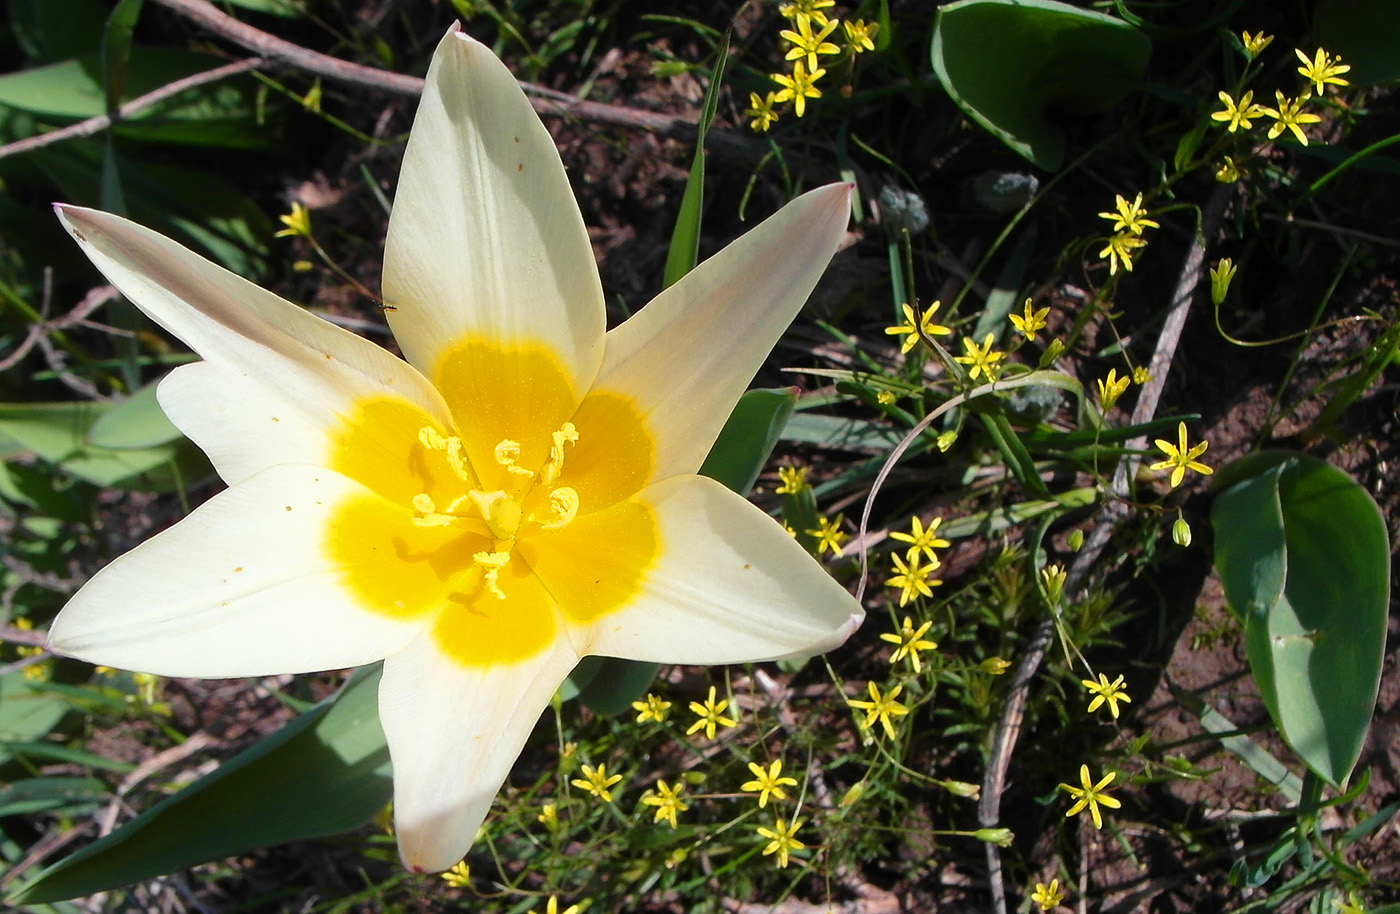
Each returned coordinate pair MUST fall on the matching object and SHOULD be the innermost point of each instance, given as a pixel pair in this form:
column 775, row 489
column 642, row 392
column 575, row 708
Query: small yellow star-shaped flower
column 1238, row 114
column 761, row 111
column 597, row 781
column 781, row 840
column 1322, row 70
column 983, row 361
column 812, row 8
column 552, row 907
column 1111, row 388
column 1048, row 896
column 881, row 708
column 1289, row 115
column 1091, row 796
column 859, row 36
column 768, row 782
column 667, row 801
column 1255, row 44
column 1030, row 321
column 908, row 642
column 1181, row 457
column 791, row 480
column 1107, row 692
column 459, row 877
column 297, row 222
column 806, row 44
column 653, row 707
column 829, row 534
column 711, row 715
column 916, row 326
column 798, row 87
column 912, row 578
column 922, row 539
column 1119, row 250
column 1129, row 217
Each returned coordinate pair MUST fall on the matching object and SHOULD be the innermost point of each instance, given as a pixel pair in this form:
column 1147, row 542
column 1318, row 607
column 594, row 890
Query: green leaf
column 1316, row 647
column 27, row 712
column 116, row 49
column 288, row 9
column 685, row 239
column 215, row 114
column 325, row 773
column 136, row 422
column 617, row 685
column 748, row 437
column 49, row 30
column 58, row 433
column 1015, row 65
column 57, row 795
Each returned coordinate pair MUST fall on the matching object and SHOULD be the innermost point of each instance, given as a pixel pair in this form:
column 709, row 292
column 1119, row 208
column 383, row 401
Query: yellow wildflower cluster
column 807, row 37
column 1288, row 113
column 913, row 570
column 1130, row 220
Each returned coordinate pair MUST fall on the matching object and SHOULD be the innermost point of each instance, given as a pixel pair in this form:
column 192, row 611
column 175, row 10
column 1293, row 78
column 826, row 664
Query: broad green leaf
column 194, row 207
column 685, row 239
column 289, row 9
column 748, row 437
column 215, row 114
column 49, row 30
column 1366, row 33
column 1316, row 648
column 27, row 711
column 325, row 773
column 1014, row 66
column 58, row 433
column 609, row 685
column 617, row 685
column 136, row 422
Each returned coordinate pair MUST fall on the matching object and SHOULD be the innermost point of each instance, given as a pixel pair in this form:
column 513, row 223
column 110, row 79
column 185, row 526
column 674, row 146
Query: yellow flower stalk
column 519, row 493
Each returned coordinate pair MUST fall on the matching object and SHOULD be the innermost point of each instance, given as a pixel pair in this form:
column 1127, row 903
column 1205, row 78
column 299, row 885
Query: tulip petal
column 686, row 358
column 454, row 732
column 241, row 587
column 728, row 585
column 285, row 365
column 486, row 242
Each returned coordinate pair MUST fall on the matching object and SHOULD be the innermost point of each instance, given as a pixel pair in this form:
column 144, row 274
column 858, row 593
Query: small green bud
column 946, row 441
column 1181, row 532
column 1002, row 837
column 962, row 789
column 853, row 795
column 1076, row 540
column 994, row 665
column 1220, row 276
column 1052, row 352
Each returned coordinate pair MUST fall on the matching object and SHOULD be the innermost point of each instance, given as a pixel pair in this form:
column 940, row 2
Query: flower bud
column 1181, row 532
column 1075, row 540
column 1220, row 276
column 1002, row 837
column 994, row 666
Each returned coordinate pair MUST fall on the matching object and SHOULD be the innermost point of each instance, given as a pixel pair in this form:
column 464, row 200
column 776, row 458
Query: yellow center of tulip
column 500, row 530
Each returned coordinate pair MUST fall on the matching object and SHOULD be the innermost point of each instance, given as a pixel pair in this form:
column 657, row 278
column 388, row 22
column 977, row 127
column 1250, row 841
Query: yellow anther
column 428, row 515
column 434, row 440
column 492, row 563
column 507, row 453
column 567, row 434
column 501, row 513
column 563, row 505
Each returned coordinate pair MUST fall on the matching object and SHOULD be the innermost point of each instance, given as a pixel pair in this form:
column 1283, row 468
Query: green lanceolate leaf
column 685, row 240
column 1303, row 554
column 325, row 773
